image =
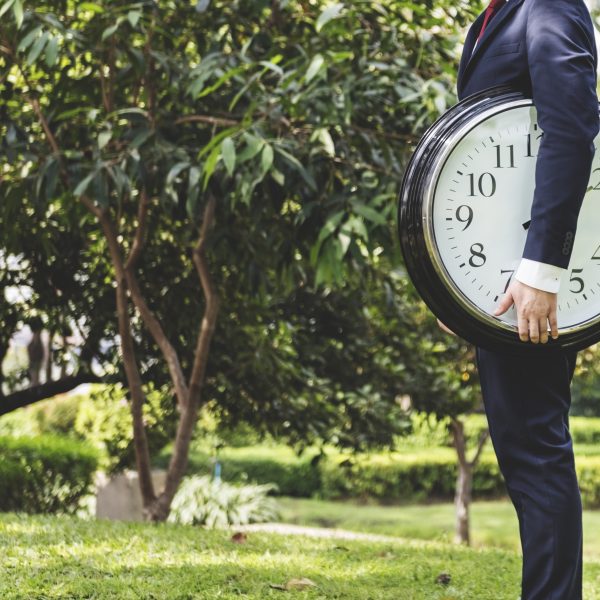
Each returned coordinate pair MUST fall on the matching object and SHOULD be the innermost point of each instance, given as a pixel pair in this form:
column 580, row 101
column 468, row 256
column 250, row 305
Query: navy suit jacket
column 547, row 50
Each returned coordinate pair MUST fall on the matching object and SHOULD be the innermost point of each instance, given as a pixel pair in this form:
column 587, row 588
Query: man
column 546, row 49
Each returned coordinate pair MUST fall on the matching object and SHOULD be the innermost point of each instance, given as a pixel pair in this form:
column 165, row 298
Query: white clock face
column 479, row 214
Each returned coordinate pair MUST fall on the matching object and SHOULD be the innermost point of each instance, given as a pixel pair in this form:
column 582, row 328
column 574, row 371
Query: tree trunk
column 462, row 502
column 462, row 495
column 464, row 480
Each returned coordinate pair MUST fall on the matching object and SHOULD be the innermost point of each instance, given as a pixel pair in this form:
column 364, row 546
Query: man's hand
column 535, row 309
column 446, row 329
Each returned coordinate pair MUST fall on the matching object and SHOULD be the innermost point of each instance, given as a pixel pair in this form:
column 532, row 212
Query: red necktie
column 490, row 11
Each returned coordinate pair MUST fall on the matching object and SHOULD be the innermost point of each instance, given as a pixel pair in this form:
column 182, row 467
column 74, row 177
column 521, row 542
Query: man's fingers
column 543, row 328
column 534, row 331
column 505, row 304
column 553, row 325
column 523, row 326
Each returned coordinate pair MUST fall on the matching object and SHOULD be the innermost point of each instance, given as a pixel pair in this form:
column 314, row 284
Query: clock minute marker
column 459, row 172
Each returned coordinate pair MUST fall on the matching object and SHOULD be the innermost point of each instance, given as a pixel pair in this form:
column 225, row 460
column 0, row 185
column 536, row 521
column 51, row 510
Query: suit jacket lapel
column 469, row 57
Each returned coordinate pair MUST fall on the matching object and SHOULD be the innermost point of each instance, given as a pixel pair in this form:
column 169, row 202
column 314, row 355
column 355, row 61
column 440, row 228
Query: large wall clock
column 464, row 209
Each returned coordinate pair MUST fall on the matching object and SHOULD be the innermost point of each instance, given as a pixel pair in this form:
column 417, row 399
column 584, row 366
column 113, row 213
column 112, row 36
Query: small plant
column 213, row 503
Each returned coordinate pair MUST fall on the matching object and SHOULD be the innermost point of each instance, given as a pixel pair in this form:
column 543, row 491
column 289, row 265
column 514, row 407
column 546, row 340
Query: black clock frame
column 442, row 301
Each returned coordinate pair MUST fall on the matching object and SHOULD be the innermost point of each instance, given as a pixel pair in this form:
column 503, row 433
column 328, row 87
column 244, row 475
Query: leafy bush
column 104, row 419
column 201, row 500
column 585, row 430
column 414, row 477
column 45, row 474
column 295, row 476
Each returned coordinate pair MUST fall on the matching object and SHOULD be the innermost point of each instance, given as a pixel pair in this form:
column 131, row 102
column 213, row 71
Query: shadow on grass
column 47, row 557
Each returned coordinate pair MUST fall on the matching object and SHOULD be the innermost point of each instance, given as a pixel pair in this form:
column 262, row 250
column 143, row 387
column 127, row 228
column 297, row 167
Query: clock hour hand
column 526, row 225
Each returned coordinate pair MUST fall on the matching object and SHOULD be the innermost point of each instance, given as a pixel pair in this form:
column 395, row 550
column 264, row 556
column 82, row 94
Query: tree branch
column 458, row 435
column 37, row 393
column 483, row 436
column 212, row 306
column 185, row 428
column 206, row 119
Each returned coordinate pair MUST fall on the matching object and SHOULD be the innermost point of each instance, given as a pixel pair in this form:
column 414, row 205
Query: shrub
column 295, row 476
column 406, row 477
column 585, row 430
column 45, row 474
column 201, row 500
column 104, row 419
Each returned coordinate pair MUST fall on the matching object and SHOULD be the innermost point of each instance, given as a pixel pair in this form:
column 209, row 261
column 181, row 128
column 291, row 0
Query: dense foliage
column 46, row 474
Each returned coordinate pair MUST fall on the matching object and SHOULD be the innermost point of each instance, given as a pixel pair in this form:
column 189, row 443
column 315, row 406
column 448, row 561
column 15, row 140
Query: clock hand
column 527, row 224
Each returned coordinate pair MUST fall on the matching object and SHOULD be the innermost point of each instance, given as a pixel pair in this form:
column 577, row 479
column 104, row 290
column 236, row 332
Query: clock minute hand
column 527, row 224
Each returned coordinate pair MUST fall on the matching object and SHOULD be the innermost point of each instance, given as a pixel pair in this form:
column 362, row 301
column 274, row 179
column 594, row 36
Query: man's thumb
column 504, row 305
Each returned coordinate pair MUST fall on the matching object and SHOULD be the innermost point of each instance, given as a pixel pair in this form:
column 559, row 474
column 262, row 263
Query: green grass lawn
column 493, row 523
column 65, row 557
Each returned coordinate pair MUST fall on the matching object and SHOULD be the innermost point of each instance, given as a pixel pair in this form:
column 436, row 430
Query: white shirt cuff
column 539, row 275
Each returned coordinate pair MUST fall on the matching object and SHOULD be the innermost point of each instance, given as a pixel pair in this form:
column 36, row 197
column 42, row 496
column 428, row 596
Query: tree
column 263, row 140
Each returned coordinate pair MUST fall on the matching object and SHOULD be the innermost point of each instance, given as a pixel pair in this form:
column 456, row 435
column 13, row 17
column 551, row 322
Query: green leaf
column 18, row 12
column 368, row 213
column 210, row 164
column 308, row 178
column 52, row 52
column 104, row 138
column 323, row 135
column 28, row 39
column 96, row 8
column 193, row 190
column 326, row 231
column 175, row 170
column 6, row 6
column 266, row 158
column 133, row 16
column 228, row 153
column 140, row 138
column 37, row 48
column 254, row 145
column 278, row 176
column 344, row 240
column 314, row 67
column 110, row 30
column 330, row 12
column 84, row 183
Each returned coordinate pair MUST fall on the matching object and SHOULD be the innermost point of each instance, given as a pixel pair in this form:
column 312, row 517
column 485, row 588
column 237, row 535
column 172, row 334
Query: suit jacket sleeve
column 562, row 60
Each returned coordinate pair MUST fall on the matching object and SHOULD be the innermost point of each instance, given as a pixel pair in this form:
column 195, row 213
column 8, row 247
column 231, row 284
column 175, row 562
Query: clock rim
column 442, row 301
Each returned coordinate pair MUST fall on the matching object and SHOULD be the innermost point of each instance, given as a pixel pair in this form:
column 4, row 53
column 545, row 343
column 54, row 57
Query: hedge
column 45, row 474
column 411, row 476
column 294, row 476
